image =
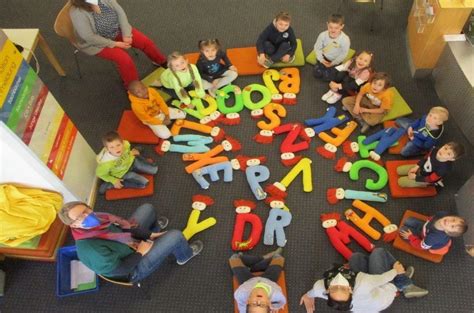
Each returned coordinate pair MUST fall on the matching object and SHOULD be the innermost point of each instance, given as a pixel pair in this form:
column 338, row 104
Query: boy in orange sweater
column 151, row 109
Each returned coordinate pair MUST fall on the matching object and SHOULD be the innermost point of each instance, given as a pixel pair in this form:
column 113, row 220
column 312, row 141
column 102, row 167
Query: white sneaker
column 327, row 95
column 334, row 98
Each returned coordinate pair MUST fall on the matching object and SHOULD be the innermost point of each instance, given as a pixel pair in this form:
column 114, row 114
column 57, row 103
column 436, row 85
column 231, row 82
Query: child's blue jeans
column 378, row 262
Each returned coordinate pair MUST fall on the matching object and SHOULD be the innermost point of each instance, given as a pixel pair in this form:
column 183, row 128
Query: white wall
column 20, row 165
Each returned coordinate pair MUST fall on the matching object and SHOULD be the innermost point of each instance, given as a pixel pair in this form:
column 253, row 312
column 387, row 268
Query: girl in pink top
column 349, row 77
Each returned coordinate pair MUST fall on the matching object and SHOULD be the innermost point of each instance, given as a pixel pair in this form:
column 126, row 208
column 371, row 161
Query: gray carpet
column 96, row 102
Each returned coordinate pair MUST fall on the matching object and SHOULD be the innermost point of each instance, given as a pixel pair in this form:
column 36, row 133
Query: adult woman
column 123, row 249
column 369, row 284
column 102, row 29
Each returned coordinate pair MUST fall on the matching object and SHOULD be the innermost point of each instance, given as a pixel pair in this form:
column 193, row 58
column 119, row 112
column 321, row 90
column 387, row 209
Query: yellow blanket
column 26, row 212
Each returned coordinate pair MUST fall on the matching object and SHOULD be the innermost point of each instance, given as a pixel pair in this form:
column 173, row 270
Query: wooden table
column 29, row 38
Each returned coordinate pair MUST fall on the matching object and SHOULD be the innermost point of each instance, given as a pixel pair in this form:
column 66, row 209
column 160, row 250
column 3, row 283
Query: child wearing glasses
column 214, row 66
column 258, row 294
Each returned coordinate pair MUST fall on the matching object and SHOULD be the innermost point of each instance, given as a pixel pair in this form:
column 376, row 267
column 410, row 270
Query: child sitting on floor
column 118, row 164
column 432, row 168
column 258, row 293
column 349, row 77
column 214, row 66
column 331, row 47
column 425, row 132
column 277, row 42
column 151, row 109
column 181, row 77
column 372, row 102
column 435, row 234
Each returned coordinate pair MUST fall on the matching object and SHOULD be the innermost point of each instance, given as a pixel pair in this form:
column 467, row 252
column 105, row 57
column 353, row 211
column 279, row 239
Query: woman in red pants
column 102, row 29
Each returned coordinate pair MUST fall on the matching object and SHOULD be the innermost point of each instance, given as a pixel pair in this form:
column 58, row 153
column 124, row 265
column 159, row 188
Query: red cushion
column 132, row 129
column 400, row 192
column 401, row 142
column 192, row 57
column 403, row 245
column 126, row 193
column 281, row 282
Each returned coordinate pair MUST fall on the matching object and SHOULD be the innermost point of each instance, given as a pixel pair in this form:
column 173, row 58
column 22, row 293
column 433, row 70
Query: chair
column 64, row 28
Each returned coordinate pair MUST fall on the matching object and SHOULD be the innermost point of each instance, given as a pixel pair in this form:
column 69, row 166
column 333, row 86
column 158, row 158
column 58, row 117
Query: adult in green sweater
column 128, row 250
column 119, row 166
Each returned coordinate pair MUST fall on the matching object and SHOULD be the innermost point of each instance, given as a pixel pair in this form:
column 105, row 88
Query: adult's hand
column 144, row 247
column 308, row 303
column 153, row 236
column 123, row 45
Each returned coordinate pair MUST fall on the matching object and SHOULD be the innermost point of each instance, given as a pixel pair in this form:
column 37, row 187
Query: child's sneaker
column 334, row 98
column 268, row 63
column 327, row 95
column 412, row 291
column 292, row 58
column 162, row 222
column 197, row 247
column 410, row 270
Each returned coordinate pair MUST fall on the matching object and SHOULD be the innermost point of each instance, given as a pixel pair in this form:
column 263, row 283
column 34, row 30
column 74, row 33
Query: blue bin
column 63, row 273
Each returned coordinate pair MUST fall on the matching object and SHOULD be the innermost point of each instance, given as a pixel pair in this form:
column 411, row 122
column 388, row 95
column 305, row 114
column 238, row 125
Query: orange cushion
column 401, row 142
column 132, row 129
column 126, row 193
column 281, row 282
column 403, row 245
column 400, row 192
column 192, row 57
column 245, row 59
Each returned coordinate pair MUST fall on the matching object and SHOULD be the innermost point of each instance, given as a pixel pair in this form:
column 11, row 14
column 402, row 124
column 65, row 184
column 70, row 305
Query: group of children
column 365, row 95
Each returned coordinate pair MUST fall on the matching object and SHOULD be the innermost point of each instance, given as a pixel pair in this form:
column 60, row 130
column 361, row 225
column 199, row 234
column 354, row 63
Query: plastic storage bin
column 63, row 273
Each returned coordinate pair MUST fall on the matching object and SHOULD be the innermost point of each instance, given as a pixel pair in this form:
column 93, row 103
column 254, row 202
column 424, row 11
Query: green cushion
column 399, row 107
column 299, row 57
column 152, row 77
column 311, row 58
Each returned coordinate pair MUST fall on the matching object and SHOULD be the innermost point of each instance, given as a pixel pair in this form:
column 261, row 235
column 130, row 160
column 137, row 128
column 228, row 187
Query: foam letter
column 238, row 243
column 223, row 94
column 247, row 96
column 273, row 117
column 341, row 134
column 193, row 226
column 304, row 165
column 277, row 220
column 290, row 80
column 268, row 77
column 256, row 175
column 370, row 183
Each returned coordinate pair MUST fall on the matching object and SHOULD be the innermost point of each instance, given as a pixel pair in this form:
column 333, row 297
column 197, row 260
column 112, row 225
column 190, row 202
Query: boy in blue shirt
column 435, row 234
column 425, row 132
